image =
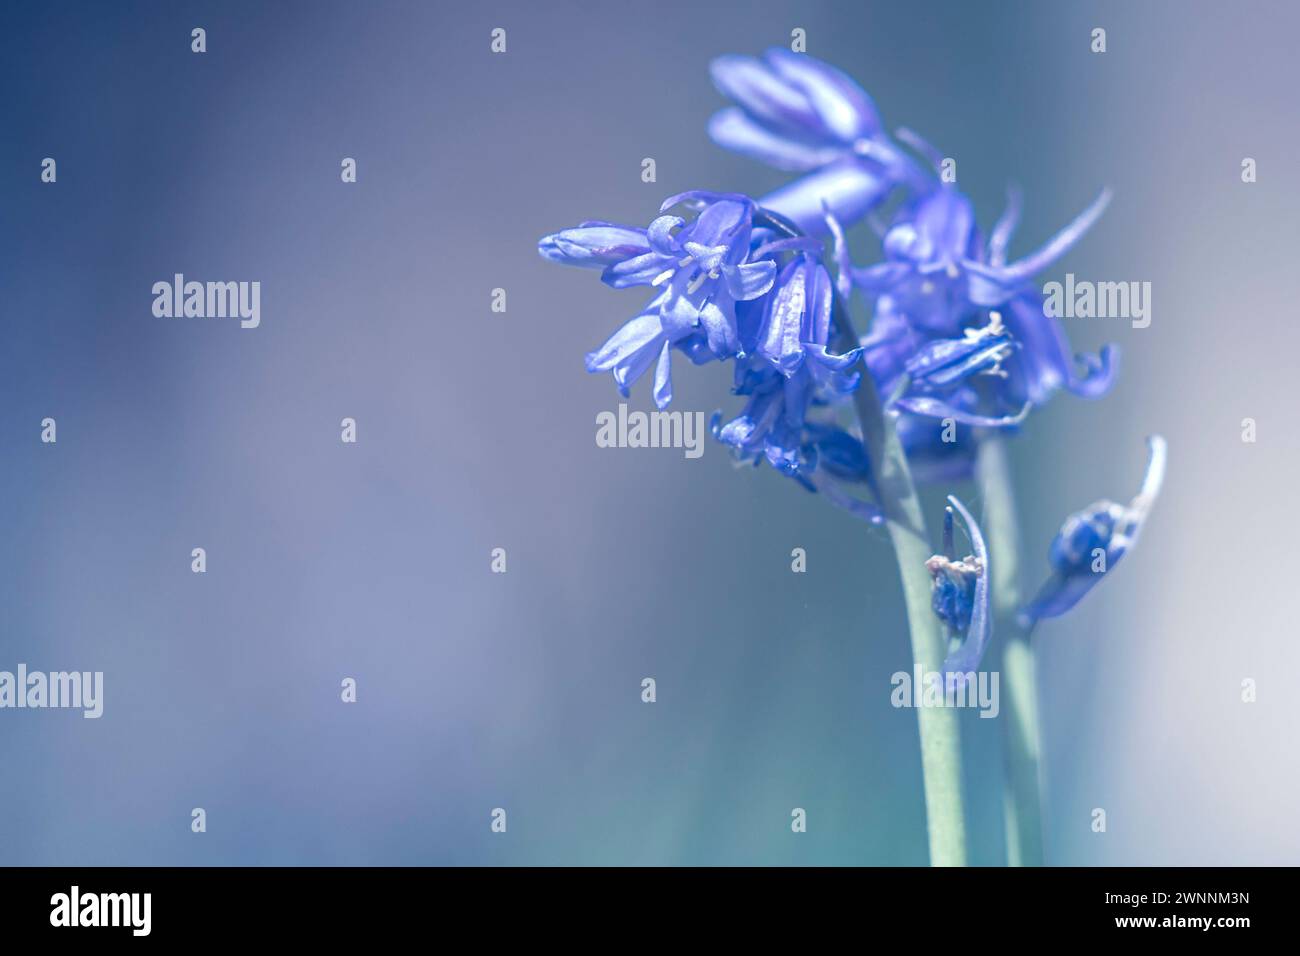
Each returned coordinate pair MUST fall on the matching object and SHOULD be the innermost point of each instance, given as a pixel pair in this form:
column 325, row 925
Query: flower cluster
column 963, row 334
column 736, row 282
column 959, row 344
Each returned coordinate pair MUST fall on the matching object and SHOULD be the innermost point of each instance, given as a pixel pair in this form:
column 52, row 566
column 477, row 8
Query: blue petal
column 1101, row 374
column 1043, row 362
column 840, row 498
column 638, row 334
column 1085, row 532
column 1035, row 262
column 840, row 453
column 821, row 302
column 945, row 223
column 663, row 377
column 748, row 429
column 843, row 263
column 1154, row 477
column 594, row 244
column 723, row 222
column 699, row 199
column 696, row 348
column 844, row 108
column 796, row 394
column 1059, row 594
column 764, row 95
column 881, row 277
column 795, row 244
column 938, row 408
column 825, row 358
column 849, row 188
column 732, row 129
column 1004, row 228
column 749, row 280
column 781, row 448
column 717, row 317
column 679, row 309
column 1104, row 525
column 966, row 658
column 660, row 235
column 931, row 459
column 640, row 270
column 779, row 339
column 627, row 372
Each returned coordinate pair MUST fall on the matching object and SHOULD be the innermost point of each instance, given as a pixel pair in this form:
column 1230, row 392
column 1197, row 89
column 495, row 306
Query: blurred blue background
column 476, row 431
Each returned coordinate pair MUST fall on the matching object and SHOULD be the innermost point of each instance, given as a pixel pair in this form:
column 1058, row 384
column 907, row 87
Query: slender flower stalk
column 939, row 729
column 1088, row 546
column 895, row 493
column 1021, row 801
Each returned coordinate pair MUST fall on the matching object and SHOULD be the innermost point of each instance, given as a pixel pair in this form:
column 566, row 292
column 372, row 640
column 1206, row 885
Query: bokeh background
column 476, row 431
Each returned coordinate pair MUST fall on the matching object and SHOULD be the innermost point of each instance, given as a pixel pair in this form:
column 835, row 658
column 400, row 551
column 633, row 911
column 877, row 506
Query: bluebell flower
column 1092, row 542
column 960, row 596
column 792, row 382
column 702, row 267
column 939, row 278
column 796, row 113
column 948, row 306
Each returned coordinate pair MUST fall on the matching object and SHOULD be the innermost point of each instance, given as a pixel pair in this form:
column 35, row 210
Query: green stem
column 1021, row 796
column 896, row 495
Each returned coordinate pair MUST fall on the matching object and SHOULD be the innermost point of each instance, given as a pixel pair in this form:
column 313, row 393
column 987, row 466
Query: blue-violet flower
column 960, row 597
column 1092, row 541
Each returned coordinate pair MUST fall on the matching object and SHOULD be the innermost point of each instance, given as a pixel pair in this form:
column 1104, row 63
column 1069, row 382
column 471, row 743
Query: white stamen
column 662, row 277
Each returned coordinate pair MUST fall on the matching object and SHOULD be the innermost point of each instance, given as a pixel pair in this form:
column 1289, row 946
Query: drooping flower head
column 796, row 113
column 940, row 278
column 1092, row 541
column 792, row 382
column 960, row 336
column 702, row 269
column 960, row 597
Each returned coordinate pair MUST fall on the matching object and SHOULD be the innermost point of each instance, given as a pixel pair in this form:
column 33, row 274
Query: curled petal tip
column 1155, row 476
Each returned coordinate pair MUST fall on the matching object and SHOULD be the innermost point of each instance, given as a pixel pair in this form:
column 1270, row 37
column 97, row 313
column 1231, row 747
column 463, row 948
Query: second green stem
column 1022, row 805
